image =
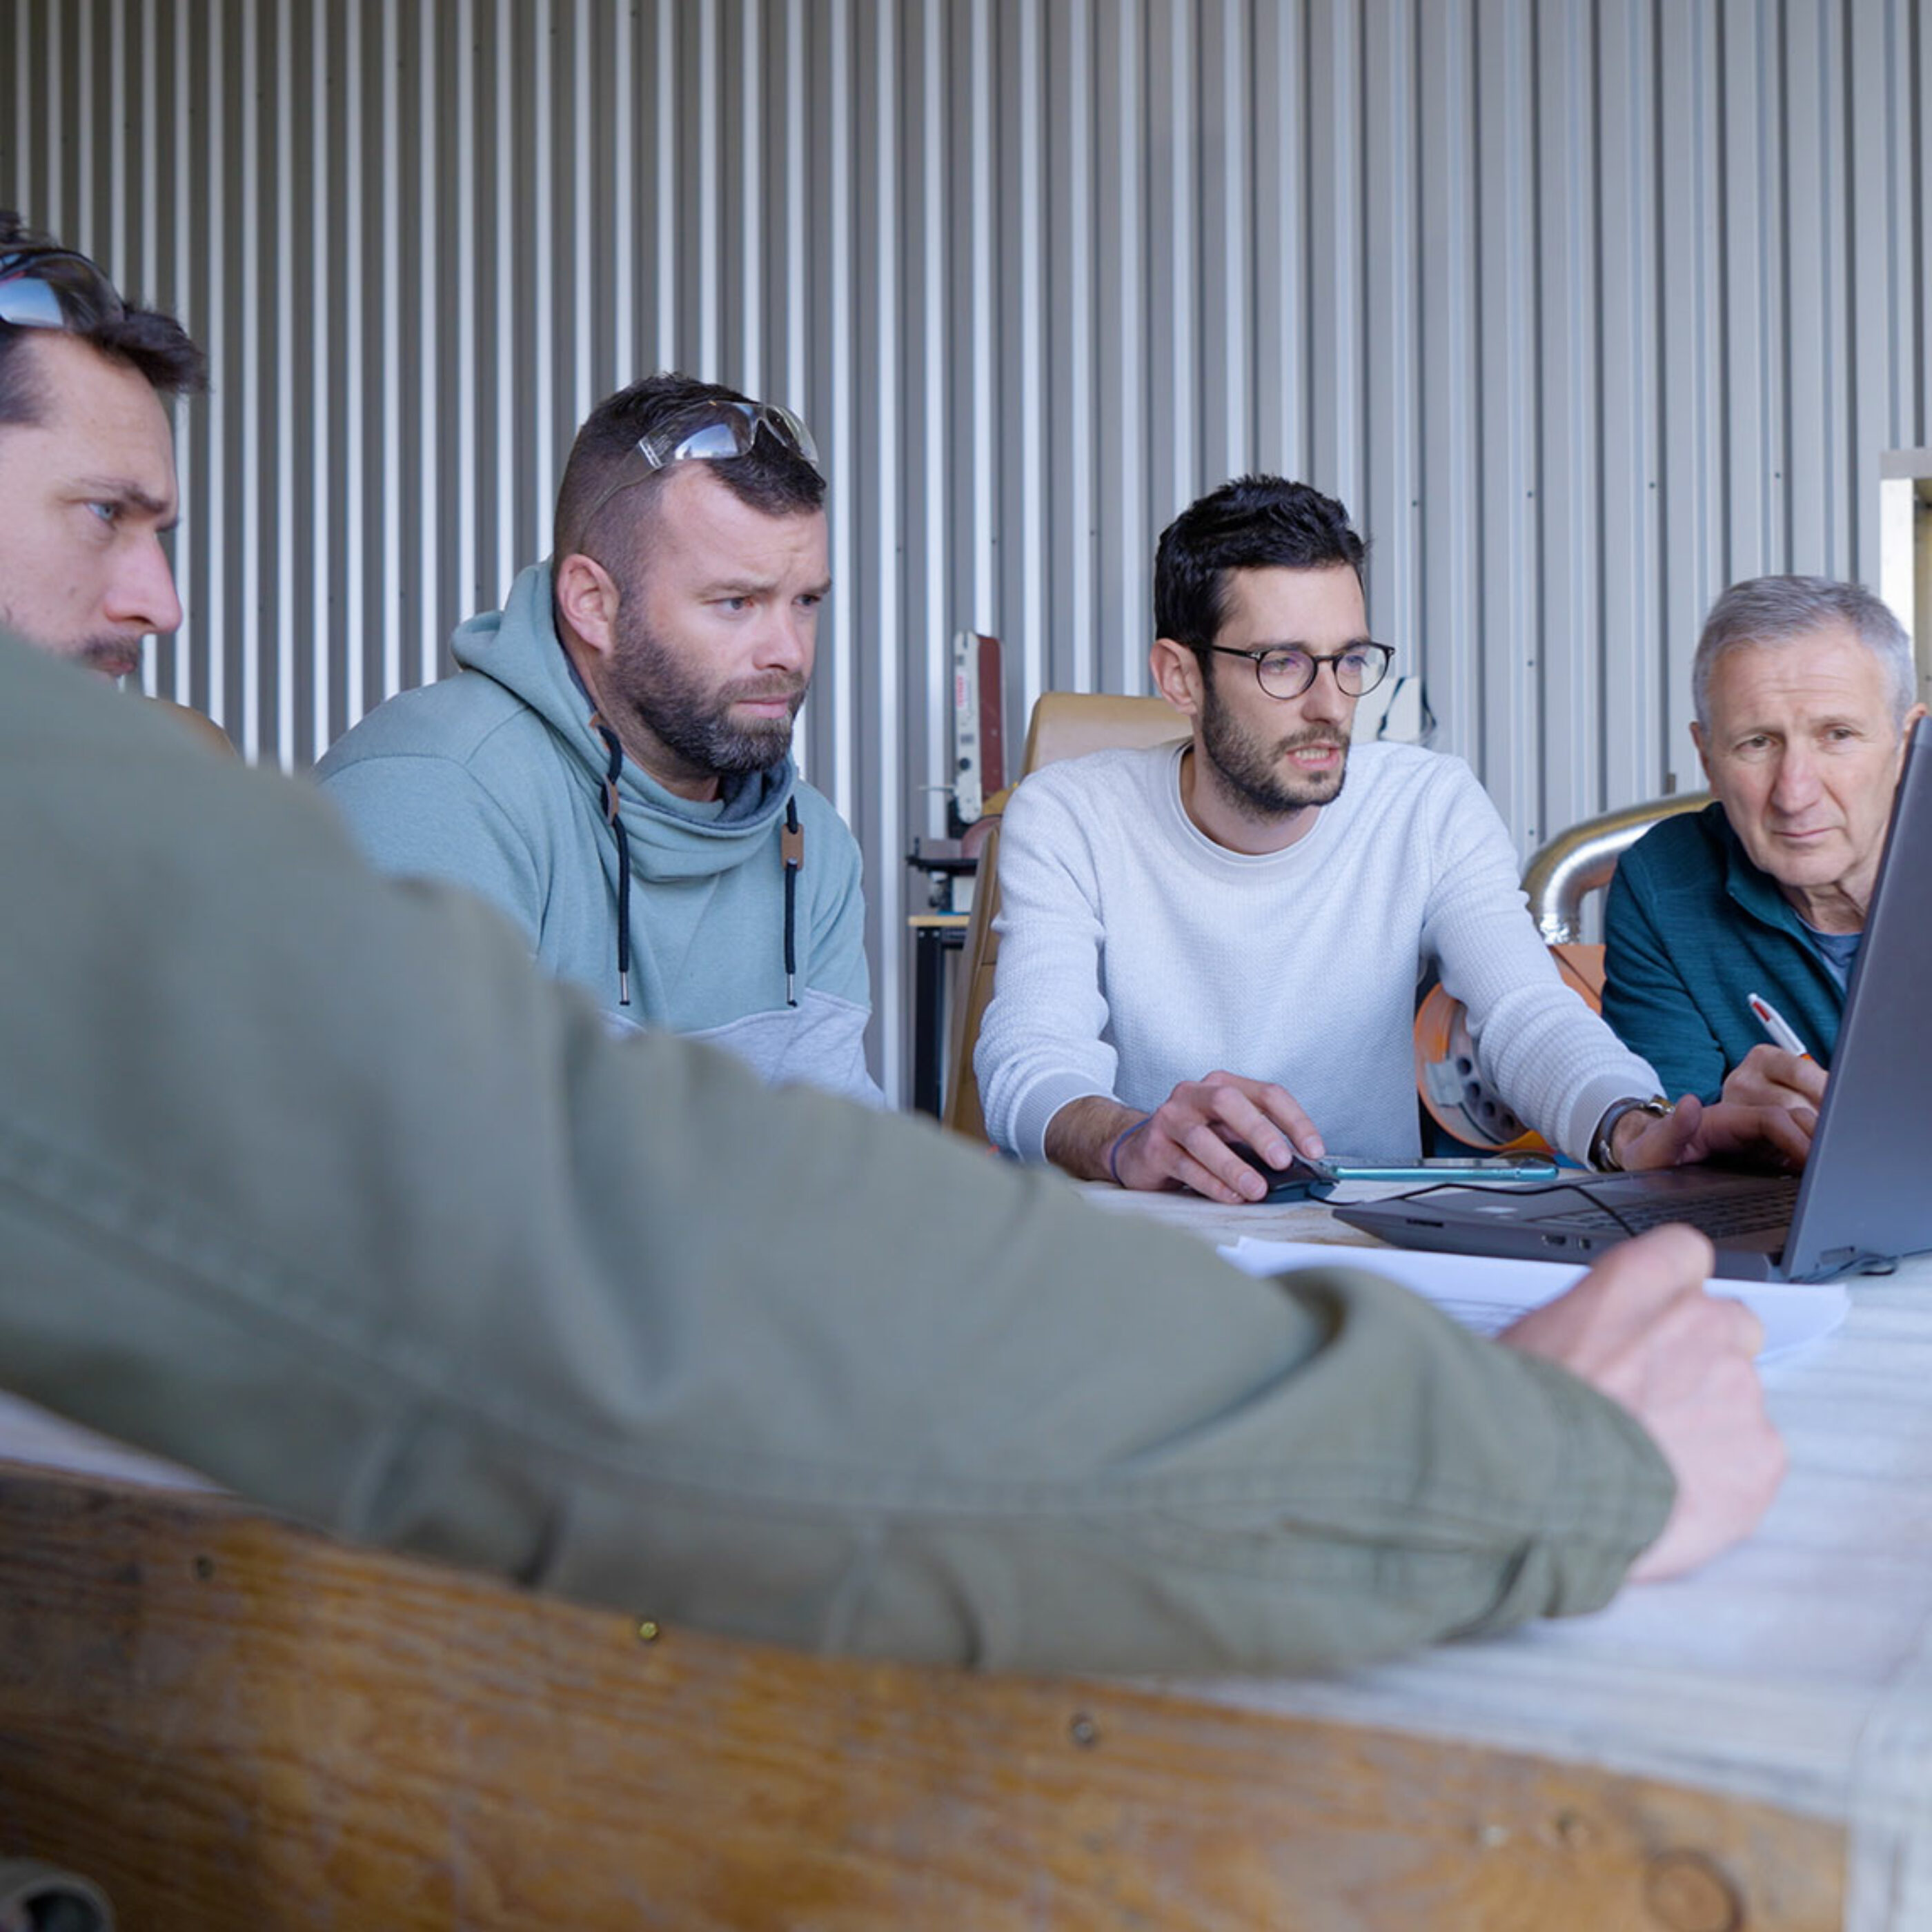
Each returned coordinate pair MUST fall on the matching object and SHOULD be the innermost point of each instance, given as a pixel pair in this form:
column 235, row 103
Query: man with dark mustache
column 611, row 765
column 87, row 455
column 1224, row 903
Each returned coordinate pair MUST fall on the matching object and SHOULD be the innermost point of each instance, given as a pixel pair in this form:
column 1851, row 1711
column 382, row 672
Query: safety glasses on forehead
column 54, row 288
column 730, row 432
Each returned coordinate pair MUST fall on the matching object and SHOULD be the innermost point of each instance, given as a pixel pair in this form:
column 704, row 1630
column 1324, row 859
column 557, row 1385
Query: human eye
column 106, row 511
column 1283, row 662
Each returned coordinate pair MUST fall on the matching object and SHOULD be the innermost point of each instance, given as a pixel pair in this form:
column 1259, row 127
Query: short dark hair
column 1253, row 522
column 153, row 345
column 769, row 477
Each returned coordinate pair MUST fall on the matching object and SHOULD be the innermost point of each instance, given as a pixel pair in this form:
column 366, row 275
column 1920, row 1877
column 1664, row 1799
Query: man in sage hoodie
column 307, row 1180
column 611, row 764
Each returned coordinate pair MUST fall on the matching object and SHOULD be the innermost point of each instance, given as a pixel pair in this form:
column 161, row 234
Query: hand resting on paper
column 1640, row 1328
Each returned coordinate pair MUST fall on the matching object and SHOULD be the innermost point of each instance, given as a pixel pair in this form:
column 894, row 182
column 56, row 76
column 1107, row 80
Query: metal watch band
column 1602, row 1149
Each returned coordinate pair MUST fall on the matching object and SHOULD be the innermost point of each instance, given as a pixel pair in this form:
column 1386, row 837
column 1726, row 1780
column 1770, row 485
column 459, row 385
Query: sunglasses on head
column 730, row 431
column 54, row 288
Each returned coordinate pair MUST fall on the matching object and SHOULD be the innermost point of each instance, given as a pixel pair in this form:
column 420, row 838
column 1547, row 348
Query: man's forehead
column 1829, row 660
column 700, row 511
column 97, row 420
column 1289, row 603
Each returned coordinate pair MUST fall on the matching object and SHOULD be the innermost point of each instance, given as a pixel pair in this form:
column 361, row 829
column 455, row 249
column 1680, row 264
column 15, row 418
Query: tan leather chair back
column 1065, row 725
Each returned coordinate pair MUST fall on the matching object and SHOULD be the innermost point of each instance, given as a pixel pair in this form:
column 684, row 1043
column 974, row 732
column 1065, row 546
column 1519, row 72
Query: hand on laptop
column 1771, row 1135
column 1768, row 1076
column 1640, row 1328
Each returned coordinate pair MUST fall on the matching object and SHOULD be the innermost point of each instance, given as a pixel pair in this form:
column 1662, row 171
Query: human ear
column 587, row 598
column 1176, row 675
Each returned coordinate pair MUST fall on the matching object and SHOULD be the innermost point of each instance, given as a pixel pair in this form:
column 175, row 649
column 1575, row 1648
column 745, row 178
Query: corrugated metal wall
column 1585, row 306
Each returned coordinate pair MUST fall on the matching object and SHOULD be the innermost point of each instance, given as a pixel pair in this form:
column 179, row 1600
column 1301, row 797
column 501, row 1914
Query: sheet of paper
column 1487, row 1293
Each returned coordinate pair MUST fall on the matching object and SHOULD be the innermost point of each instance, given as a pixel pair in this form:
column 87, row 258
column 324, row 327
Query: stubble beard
column 1253, row 777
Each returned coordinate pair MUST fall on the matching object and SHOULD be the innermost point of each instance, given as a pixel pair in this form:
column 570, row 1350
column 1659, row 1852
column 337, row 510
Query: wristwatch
column 1602, row 1146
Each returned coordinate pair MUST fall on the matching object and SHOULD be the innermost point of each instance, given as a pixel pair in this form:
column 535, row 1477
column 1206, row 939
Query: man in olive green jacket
column 308, row 1180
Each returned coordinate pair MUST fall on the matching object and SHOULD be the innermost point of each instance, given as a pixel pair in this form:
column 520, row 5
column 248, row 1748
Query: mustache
column 763, row 690
column 1314, row 735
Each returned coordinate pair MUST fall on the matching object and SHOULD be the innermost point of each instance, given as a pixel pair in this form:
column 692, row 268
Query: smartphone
column 1476, row 1169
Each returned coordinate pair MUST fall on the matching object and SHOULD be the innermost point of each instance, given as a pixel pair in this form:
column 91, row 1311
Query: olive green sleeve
column 307, row 1180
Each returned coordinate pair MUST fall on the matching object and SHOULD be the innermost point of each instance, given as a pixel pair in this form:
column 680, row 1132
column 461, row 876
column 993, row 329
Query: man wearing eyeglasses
column 1227, row 903
column 611, row 763
column 87, row 463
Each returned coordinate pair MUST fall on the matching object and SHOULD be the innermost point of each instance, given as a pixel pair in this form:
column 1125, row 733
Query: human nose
column 788, row 642
column 143, row 591
column 1324, row 701
column 1796, row 786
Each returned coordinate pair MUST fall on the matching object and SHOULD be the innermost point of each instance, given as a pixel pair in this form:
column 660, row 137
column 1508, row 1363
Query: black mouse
column 1301, row 1180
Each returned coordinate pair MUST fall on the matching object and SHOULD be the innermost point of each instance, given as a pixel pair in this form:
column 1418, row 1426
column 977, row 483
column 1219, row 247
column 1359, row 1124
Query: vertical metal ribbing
column 391, row 374
column 667, row 123
column 356, row 535
column 709, row 135
column 1133, row 516
column 1080, row 648
column 471, row 592
column 213, row 252
column 539, row 424
column 745, row 126
column 329, row 632
column 427, row 571
column 930, row 418
column 624, row 162
column 983, row 190
column 842, row 412
column 885, row 820
column 512, row 372
column 284, row 563
column 587, row 244
column 796, row 233
column 1026, row 240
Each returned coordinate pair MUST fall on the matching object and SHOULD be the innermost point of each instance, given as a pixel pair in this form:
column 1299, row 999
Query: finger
column 1206, row 1149
column 1289, row 1114
column 1236, row 1109
column 1205, row 1181
column 1655, row 1267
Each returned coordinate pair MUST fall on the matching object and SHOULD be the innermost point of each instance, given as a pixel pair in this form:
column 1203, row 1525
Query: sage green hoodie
column 494, row 778
column 307, row 1180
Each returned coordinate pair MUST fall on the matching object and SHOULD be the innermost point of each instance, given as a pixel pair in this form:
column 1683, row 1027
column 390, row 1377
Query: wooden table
column 231, row 1723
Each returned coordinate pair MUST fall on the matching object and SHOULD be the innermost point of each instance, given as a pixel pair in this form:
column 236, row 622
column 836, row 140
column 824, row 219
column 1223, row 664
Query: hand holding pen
column 1780, row 1074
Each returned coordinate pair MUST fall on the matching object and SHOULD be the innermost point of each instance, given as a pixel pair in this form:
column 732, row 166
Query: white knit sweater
column 1135, row 953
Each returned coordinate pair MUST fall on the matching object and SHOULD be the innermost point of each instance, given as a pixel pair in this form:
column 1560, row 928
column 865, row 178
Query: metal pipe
column 1574, row 864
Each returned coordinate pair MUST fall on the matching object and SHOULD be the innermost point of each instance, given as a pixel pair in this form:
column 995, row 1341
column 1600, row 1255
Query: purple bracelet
column 1120, row 1141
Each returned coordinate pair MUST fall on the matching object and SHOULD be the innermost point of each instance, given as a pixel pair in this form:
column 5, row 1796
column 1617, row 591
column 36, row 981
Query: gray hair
column 1786, row 609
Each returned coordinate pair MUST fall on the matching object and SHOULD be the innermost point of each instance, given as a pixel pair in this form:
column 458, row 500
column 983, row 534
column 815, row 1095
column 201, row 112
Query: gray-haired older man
column 1805, row 692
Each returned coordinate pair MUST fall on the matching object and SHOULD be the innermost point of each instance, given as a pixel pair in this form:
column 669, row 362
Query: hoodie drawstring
column 615, row 821
column 791, row 849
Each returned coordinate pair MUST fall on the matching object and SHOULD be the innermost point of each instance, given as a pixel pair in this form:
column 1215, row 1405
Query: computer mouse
column 1301, row 1180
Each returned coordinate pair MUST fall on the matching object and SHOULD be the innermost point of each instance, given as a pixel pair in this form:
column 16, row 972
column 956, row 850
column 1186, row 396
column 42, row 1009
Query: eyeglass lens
column 1288, row 673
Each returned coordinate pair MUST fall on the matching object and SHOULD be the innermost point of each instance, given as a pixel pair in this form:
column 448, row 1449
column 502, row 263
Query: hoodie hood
column 669, row 837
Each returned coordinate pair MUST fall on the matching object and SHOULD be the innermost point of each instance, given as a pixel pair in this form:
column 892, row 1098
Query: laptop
column 1865, row 1196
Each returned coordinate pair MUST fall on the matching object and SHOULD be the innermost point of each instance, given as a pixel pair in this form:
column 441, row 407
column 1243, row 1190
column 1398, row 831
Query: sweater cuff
column 1033, row 1112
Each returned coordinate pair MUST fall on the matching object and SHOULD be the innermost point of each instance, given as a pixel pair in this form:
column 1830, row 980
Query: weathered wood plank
column 231, row 1723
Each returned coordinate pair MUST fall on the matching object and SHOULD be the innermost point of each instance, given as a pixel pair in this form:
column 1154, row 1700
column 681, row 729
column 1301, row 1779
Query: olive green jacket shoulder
column 414, row 1250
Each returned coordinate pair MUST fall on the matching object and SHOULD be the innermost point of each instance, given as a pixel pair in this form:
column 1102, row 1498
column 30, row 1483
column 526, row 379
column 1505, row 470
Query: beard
column 692, row 720
column 1253, row 776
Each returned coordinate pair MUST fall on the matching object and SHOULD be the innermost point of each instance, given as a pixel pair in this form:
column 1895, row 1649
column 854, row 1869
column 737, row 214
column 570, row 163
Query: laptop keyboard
column 1757, row 1211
